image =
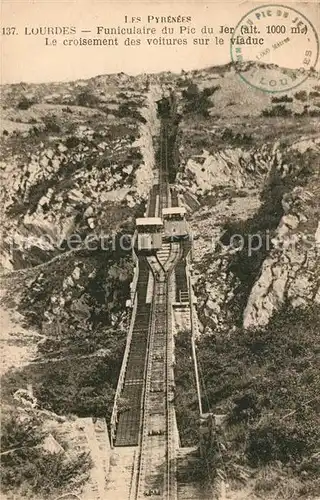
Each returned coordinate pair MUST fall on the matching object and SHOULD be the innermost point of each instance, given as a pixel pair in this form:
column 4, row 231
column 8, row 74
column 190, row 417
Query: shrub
column 51, row 124
column 87, row 98
column 42, row 472
column 16, row 433
column 72, row 142
column 284, row 98
column 246, row 407
column 266, row 381
column 129, row 109
column 185, row 394
column 75, row 386
column 283, row 440
column 25, row 103
column 302, row 95
column 278, row 110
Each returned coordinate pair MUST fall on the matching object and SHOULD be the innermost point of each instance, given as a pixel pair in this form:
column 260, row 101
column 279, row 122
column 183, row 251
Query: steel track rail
column 170, row 479
column 141, row 472
column 143, row 467
column 139, row 461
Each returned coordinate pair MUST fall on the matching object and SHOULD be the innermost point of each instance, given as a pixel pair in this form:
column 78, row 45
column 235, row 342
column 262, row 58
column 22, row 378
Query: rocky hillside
column 250, row 178
column 76, row 167
column 68, row 158
column 249, row 175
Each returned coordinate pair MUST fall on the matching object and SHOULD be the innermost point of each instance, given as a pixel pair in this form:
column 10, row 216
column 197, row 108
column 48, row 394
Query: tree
column 20, row 432
column 198, row 101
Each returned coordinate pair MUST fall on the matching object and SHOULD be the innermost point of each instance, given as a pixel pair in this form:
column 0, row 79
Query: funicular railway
column 129, row 420
column 148, row 417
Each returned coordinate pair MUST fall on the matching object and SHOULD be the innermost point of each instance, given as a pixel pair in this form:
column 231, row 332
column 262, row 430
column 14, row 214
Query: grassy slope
column 266, row 382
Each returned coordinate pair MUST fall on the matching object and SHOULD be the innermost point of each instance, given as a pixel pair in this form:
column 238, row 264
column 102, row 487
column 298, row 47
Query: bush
column 314, row 112
column 283, row 440
column 236, row 139
column 84, row 392
column 29, row 465
column 278, row 110
column 302, row 95
column 284, row 98
column 87, row 98
column 72, row 142
column 42, row 472
column 129, row 109
column 24, row 103
column 246, row 407
column 76, row 386
column 16, row 433
column 186, row 402
column 51, row 124
column 266, row 382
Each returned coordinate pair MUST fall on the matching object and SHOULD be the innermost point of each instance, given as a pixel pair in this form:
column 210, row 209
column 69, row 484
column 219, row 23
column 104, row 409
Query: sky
column 26, row 57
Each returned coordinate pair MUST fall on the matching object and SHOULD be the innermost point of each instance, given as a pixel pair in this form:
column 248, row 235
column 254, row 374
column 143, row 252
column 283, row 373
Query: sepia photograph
column 160, row 250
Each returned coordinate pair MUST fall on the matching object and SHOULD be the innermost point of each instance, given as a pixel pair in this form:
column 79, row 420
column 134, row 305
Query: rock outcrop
column 229, row 185
column 84, row 179
column 291, row 272
column 233, row 168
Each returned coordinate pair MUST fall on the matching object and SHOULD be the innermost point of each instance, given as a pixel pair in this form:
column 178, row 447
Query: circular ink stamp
column 281, row 40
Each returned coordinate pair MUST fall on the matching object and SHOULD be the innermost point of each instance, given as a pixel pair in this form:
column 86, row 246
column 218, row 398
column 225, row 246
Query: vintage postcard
column 160, row 241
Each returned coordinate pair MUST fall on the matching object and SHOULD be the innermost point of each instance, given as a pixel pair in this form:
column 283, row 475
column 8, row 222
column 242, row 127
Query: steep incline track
column 129, row 420
column 155, row 467
column 148, row 417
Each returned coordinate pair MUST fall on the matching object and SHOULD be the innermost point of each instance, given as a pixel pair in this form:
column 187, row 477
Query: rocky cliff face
column 291, row 272
column 288, row 269
column 76, row 168
column 73, row 166
column 251, row 191
column 78, row 158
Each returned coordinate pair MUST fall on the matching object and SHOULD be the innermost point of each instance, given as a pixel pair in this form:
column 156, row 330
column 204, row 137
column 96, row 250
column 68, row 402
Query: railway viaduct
column 144, row 433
